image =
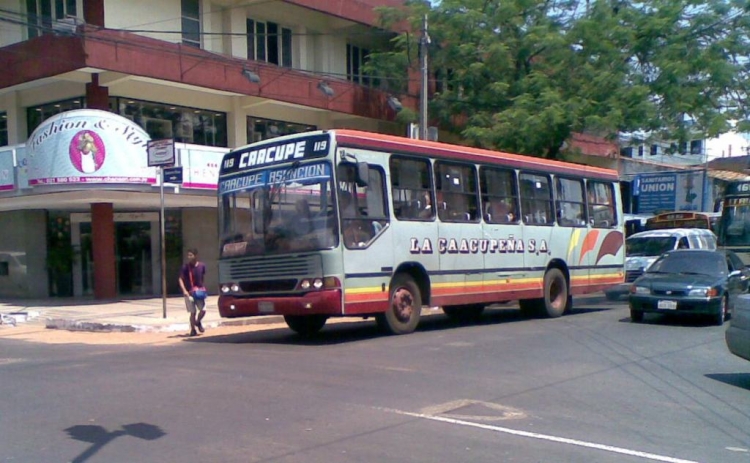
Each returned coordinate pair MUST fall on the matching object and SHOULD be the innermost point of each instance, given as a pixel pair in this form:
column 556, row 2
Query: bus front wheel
column 405, row 306
column 305, row 325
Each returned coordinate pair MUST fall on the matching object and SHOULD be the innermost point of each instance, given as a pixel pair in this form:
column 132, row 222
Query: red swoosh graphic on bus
column 589, row 243
column 611, row 245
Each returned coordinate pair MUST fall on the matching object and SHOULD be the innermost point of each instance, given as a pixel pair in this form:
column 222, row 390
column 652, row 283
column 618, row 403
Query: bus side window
column 536, row 199
column 499, row 195
column 412, row 189
column 601, row 203
column 456, row 187
column 570, row 205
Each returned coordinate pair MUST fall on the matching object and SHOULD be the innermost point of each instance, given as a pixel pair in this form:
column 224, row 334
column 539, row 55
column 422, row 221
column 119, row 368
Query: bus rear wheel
column 405, row 308
column 556, row 297
column 556, row 300
column 305, row 325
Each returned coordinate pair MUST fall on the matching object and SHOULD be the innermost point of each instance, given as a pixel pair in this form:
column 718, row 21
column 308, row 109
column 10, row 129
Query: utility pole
column 423, row 43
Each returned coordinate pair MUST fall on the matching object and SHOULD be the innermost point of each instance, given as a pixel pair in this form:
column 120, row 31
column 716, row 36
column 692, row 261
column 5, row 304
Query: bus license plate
column 265, row 307
column 667, row 305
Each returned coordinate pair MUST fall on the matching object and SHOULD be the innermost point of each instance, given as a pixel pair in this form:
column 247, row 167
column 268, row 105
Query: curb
column 101, row 327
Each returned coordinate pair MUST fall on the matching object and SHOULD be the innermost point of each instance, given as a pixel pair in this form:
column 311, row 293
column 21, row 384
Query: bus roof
column 395, row 144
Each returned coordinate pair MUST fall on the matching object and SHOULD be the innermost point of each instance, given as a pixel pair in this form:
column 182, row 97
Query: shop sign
column 7, row 177
column 670, row 192
column 88, row 146
column 202, row 166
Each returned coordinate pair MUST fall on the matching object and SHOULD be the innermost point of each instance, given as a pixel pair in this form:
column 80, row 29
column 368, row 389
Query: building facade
column 211, row 75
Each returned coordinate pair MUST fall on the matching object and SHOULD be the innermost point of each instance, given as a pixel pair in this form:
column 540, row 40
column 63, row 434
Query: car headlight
column 703, row 292
column 639, row 290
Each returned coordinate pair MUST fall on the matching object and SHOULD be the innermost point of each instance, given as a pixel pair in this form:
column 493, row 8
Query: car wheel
column 722, row 315
column 636, row 316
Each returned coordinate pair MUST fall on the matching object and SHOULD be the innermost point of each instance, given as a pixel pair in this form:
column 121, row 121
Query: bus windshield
column 735, row 221
column 278, row 210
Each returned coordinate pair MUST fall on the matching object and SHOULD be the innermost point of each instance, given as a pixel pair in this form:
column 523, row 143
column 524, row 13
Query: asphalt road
column 587, row 387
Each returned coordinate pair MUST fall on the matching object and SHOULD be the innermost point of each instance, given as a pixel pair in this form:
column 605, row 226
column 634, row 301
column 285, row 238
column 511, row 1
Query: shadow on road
column 741, row 380
column 682, row 321
column 98, row 436
column 359, row 330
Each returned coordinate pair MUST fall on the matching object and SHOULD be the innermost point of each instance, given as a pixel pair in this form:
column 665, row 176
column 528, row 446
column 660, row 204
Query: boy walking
column 191, row 283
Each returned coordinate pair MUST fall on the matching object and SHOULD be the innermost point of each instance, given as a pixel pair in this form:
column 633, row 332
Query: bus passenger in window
column 499, row 211
column 425, row 206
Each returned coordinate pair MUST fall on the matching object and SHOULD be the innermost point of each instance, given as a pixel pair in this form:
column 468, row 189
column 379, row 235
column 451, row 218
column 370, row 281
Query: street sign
column 161, row 153
column 173, row 175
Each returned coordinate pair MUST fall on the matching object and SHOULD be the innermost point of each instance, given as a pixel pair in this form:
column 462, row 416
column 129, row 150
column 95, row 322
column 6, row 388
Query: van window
column 654, row 246
column 683, row 243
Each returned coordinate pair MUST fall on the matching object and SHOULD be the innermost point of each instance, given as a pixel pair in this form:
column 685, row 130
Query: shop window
column 3, row 128
column 269, row 42
column 191, row 23
column 35, row 115
column 264, row 129
column 185, row 125
column 42, row 13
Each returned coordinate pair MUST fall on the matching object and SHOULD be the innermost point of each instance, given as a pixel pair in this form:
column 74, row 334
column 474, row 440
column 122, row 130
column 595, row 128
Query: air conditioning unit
column 66, row 26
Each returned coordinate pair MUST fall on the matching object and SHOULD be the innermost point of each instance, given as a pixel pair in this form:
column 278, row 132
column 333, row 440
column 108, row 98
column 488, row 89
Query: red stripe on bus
column 429, row 148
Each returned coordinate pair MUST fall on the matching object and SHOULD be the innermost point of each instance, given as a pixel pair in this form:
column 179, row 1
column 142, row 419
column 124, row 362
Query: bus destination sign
column 738, row 188
column 275, row 152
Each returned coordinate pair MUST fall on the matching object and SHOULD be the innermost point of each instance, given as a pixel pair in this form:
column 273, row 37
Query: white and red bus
column 346, row 223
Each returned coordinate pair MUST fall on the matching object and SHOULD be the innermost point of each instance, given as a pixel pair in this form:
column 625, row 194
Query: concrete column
column 97, row 97
column 103, row 244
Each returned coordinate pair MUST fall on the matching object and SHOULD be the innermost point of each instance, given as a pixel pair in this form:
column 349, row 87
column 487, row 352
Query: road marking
column 534, row 435
column 505, row 413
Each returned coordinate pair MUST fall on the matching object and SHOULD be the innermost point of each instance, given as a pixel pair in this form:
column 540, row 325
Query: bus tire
column 556, row 299
column 464, row 313
column 405, row 307
column 305, row 325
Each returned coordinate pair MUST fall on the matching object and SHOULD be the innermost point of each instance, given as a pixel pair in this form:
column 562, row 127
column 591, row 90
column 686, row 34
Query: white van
column 642, row 249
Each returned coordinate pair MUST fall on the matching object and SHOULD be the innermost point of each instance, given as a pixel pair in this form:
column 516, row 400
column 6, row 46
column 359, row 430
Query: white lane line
column 533, row 435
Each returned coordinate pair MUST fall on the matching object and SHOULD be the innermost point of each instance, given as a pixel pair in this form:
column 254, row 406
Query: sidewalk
column 131, row 315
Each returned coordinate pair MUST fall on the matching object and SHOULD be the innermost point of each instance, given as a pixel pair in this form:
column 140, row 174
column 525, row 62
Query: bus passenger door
column 538, row 217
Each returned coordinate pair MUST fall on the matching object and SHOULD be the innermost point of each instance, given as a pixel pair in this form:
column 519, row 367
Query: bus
column 707, row 220
column 734, row 224
column 344, row 223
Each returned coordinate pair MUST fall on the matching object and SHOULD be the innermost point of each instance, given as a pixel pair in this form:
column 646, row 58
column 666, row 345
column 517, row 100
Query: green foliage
column 522, row 75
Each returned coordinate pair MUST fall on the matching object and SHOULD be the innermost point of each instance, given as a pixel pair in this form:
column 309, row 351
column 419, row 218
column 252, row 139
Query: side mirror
column 735, row 273
column 363, row 174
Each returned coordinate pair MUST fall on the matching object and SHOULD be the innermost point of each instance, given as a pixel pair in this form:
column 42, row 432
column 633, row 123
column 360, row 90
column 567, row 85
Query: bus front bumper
column 327, row 302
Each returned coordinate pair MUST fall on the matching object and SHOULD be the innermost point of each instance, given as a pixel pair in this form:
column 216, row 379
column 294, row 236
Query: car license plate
column 667, row 305
column 265, row 307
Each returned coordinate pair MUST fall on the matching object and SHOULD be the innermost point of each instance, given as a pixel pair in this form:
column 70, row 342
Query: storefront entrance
column 136, row 253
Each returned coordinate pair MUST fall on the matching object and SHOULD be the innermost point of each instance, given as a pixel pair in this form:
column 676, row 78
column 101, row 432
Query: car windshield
column 648, row 246
column 699, row 263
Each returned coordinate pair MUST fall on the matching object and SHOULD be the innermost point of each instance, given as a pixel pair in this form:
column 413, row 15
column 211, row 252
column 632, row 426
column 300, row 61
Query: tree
column 523, row 75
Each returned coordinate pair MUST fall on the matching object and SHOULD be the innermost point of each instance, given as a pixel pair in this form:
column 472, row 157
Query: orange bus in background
column 707, row 220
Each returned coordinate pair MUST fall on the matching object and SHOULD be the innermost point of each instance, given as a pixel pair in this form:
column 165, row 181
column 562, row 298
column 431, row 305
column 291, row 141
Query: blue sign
column 173, row 175
column 657, row 192
column 307, row 174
